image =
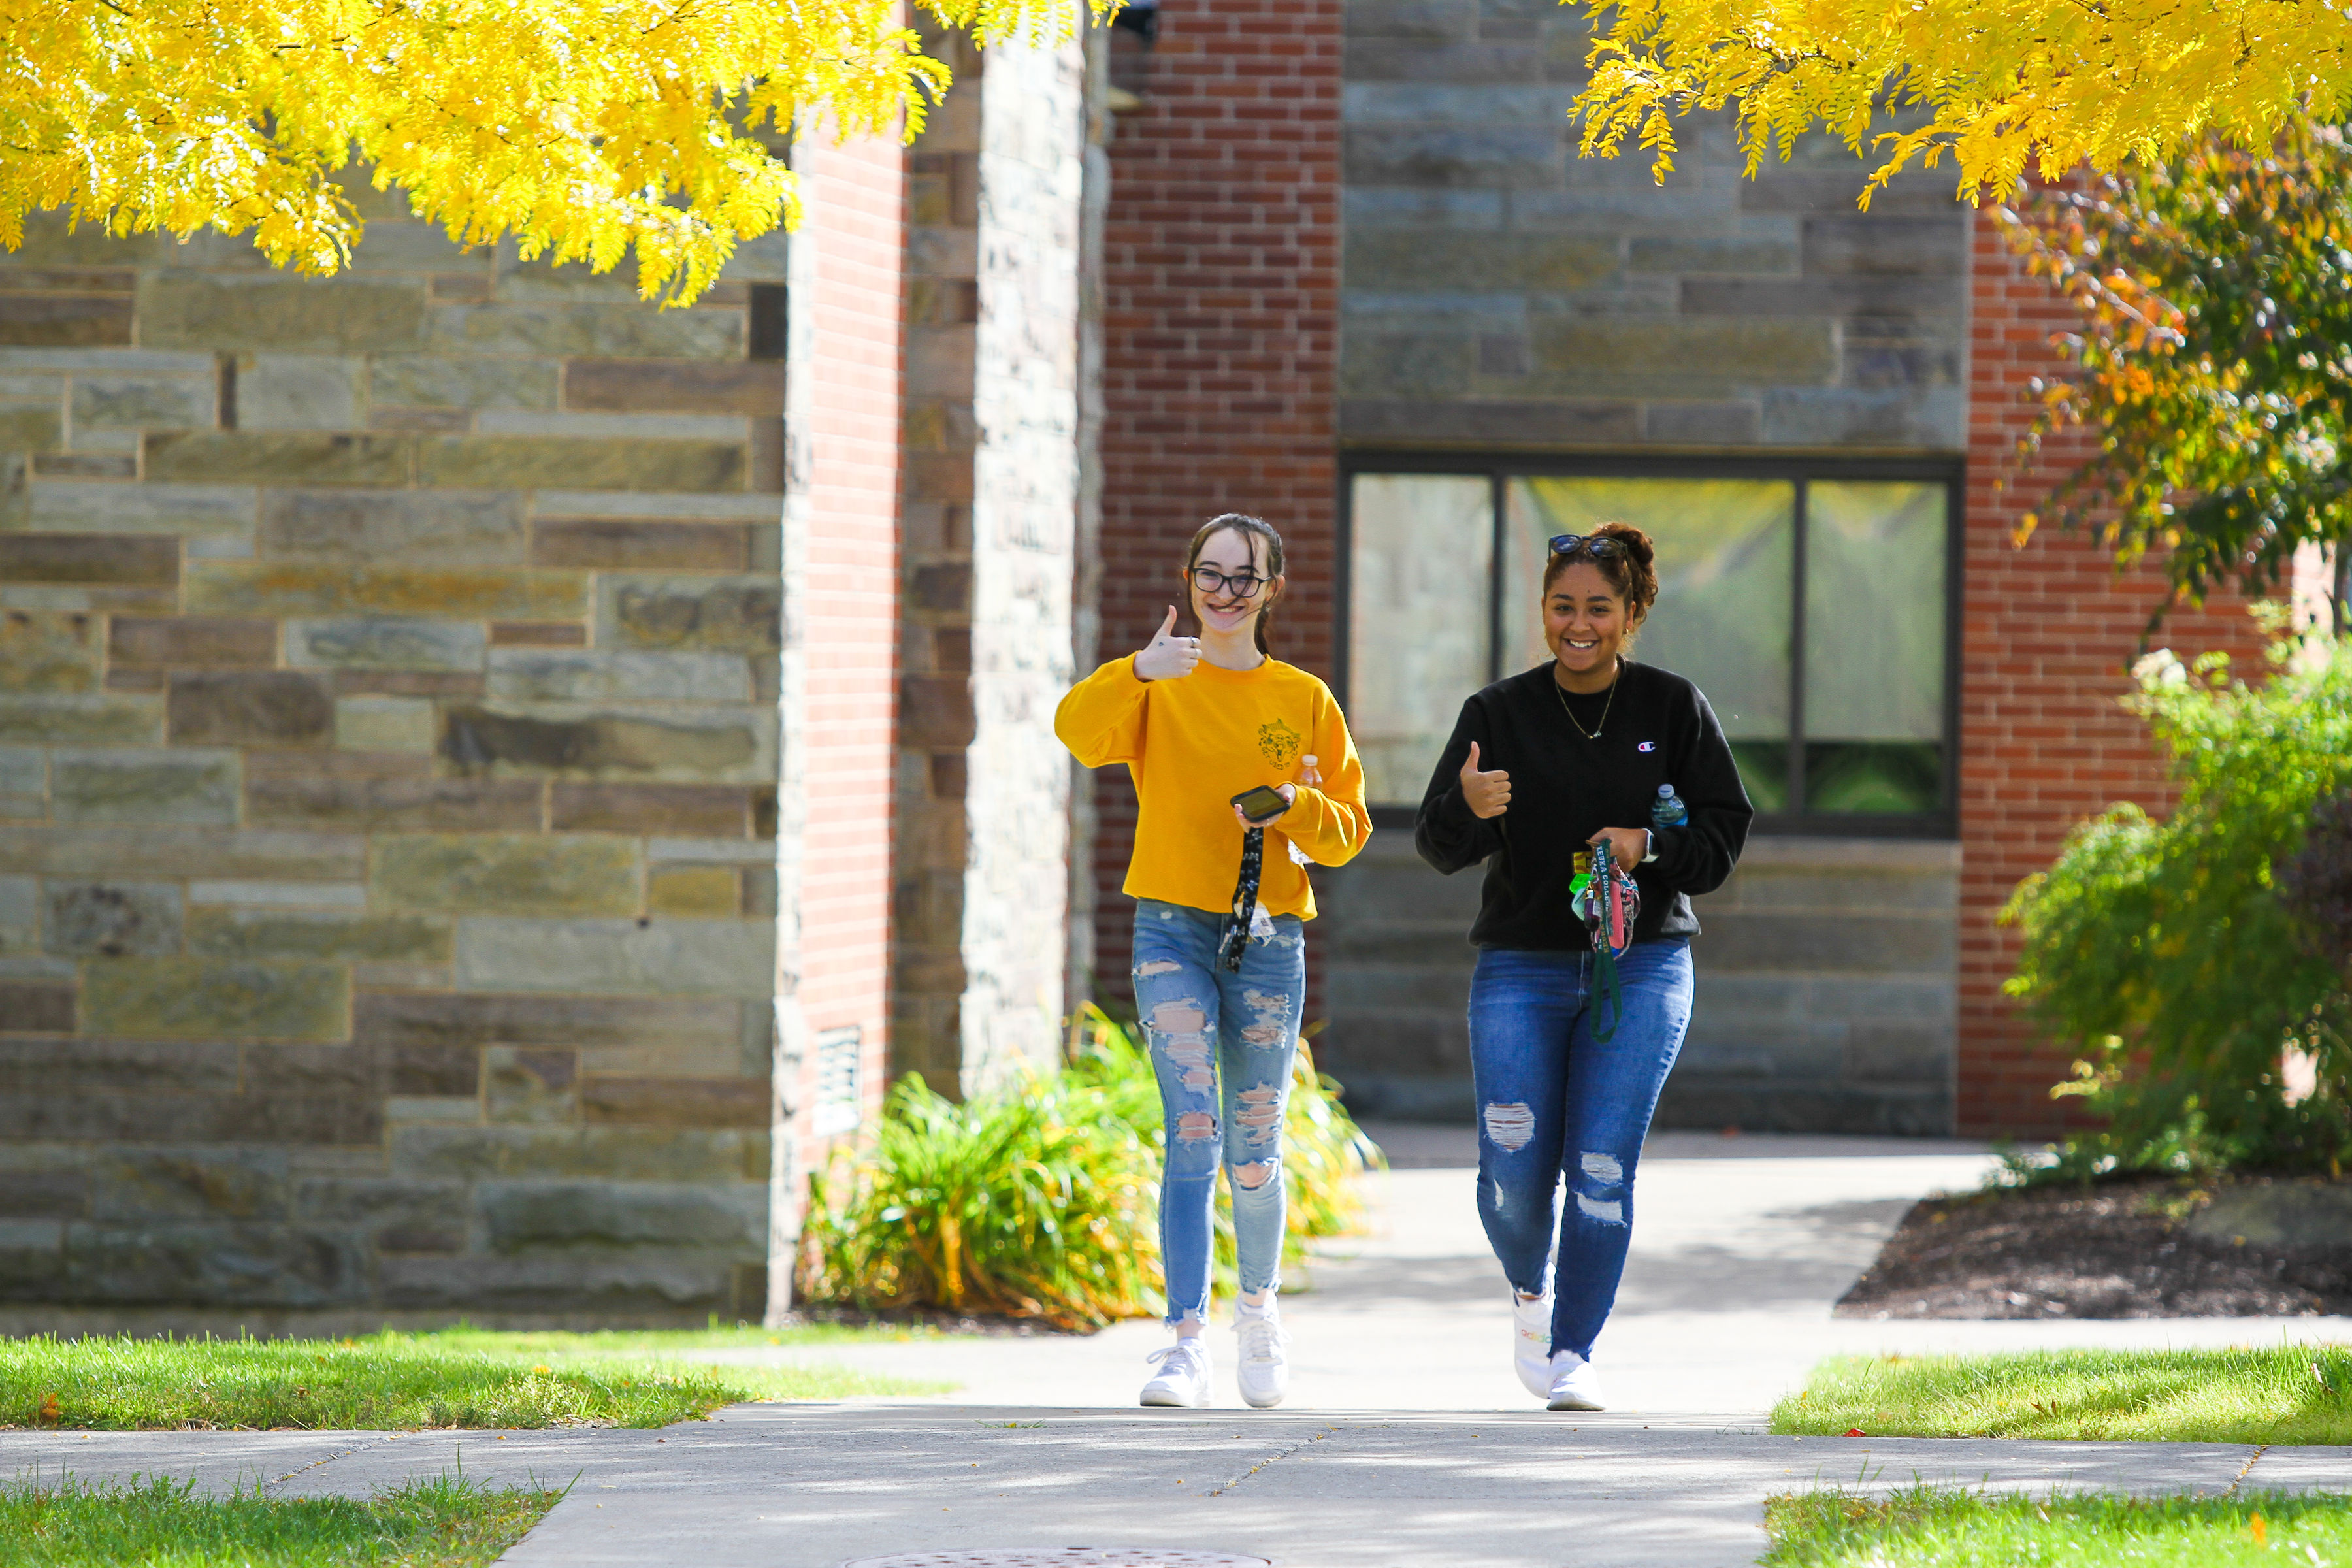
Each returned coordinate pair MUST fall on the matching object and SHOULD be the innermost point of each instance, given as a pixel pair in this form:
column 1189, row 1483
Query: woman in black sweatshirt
column 1587, row 753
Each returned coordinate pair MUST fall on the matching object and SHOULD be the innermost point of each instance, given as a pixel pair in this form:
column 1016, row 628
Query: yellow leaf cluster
column 1997, row 84
column 583, row 128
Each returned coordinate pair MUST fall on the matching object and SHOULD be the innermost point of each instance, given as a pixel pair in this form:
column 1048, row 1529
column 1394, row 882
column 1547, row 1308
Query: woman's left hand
column 1628, row 843
column 1289, row 794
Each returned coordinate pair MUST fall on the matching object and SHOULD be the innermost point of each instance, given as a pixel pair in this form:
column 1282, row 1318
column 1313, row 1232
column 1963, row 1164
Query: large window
column 1811, row 606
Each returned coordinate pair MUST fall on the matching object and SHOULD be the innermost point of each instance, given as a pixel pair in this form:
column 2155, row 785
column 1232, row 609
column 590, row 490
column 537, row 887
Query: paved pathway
column 1406, row 1440
column 1740, row 1246
column 817, row 1486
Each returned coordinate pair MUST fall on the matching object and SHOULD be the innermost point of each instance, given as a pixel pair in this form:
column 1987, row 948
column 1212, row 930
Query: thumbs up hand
column 1167, row 656
column 1489, row 795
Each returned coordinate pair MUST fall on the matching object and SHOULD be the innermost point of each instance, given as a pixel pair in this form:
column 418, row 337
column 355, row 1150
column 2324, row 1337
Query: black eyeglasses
column 1208, row 581
column 1600, row 546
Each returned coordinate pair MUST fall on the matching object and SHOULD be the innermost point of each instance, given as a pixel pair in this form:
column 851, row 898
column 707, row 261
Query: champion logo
column 1647, row 746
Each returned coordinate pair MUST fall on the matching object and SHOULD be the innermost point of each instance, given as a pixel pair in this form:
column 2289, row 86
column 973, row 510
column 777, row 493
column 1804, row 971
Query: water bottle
column 1668, row 810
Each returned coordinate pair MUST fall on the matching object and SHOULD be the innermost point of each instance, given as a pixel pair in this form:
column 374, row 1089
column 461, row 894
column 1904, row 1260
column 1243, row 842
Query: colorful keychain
column 1607, row 902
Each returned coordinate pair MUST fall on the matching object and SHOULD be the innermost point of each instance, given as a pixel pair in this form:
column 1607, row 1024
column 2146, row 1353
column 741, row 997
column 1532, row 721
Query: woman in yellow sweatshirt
column 1220, row 978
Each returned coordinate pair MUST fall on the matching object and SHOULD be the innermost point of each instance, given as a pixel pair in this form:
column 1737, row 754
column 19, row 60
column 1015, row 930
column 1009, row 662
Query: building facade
column 437, row 705
column 496, row 778
column 1812, row 408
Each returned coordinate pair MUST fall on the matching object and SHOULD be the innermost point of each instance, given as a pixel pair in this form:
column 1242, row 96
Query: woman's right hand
column 1489, row 794
column 1167, row 655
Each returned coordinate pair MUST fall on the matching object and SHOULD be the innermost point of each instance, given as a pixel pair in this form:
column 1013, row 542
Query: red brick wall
column 849, row 635
column 1220, row 341
column 2048, row 635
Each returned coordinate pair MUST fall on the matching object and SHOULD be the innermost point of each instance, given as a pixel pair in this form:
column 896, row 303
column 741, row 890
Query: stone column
column 1086, row 614
column 1023, row 528
column 991, row 435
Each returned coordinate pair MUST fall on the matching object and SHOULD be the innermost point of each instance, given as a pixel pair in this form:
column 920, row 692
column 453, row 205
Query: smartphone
column 1263, row 803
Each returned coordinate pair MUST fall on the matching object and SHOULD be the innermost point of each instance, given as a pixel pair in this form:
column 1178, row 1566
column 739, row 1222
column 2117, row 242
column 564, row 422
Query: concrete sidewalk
column 1740, row 1246
column 1406, row 1440
column 816, row 1486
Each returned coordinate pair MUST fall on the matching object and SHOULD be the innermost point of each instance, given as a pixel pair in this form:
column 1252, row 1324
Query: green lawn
column 670, row 1341
column 1929, row 1527
column 444, row 1523
column 460, row 1377
column 2293, row 1394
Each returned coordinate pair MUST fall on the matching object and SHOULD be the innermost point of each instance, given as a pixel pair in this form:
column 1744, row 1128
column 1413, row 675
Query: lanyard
column 1233, row 941
column 1610, row 901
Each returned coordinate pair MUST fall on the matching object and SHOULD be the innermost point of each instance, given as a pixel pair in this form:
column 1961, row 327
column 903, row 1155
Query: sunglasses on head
column 1598, row 546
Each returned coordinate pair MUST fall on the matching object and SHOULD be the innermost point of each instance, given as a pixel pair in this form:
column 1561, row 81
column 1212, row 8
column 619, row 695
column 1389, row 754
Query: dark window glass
column 767, row 337
column 1812, row 610
column 1419, row 571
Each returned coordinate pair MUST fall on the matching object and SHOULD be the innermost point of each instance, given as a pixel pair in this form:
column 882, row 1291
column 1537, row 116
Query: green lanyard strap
column 1606, row 990
column 1609, row 901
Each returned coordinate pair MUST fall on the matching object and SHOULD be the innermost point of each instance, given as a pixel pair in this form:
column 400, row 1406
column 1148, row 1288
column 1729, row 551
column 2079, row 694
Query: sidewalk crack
column 375, row 1442
column 2242, row 1469
column 1232, row 1481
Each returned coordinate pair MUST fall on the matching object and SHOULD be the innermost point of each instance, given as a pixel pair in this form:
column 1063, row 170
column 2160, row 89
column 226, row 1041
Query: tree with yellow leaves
column 581, row 128
column 1998, row 85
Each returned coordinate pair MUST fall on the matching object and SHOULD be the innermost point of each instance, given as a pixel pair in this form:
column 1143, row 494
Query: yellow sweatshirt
column 1193, row 742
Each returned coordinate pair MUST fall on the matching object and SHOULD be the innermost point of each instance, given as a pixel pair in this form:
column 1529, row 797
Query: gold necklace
column 1593, row 733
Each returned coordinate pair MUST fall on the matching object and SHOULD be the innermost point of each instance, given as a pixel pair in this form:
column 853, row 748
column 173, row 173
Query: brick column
column 2048, row 635
column 1221, row 343
column 841, row 620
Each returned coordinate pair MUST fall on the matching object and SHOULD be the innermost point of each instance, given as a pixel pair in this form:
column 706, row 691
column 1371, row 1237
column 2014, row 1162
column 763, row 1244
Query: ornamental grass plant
column 1040, row 1199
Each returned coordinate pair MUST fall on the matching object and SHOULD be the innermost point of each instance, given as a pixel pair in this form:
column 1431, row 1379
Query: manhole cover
column 1063, row 1557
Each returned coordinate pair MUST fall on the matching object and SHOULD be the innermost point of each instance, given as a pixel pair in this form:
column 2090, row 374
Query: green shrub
column 1041, row 1199
column 2211, row 1012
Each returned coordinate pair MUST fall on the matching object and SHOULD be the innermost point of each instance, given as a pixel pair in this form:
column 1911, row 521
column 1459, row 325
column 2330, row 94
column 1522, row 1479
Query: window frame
column 1501, row 467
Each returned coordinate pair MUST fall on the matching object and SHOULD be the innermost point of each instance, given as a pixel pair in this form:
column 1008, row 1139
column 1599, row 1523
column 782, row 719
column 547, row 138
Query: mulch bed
column 2119, row 1249
column 989, row 1325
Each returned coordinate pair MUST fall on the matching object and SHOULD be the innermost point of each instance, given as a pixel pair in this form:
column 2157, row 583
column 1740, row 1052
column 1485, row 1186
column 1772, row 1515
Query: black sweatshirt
column 1565, row 788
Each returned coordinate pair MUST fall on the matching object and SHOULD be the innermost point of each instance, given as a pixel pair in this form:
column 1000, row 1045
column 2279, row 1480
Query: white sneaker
column 1573, row 1385
column 1183, row 1375
column 1264, row 1368
column 1531, row 1344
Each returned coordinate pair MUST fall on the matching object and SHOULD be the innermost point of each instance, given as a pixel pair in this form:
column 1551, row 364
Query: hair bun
column 1636, row 542
column 1631, row 569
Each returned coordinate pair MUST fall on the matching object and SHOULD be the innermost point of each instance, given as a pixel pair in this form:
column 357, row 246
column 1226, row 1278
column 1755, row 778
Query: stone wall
column 1502, row 291
column 1827, row 984
column 1827, row 987
column 992, row 434
column 388, row 743
column 1500, row 294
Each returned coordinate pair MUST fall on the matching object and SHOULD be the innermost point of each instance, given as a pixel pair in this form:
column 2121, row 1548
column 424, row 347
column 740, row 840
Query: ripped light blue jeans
column 1222, row 1043
column 1553, row 1102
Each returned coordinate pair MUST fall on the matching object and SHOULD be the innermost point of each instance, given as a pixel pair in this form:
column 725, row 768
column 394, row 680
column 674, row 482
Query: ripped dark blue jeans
column 1554, row 1101
column 1222, row 1044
